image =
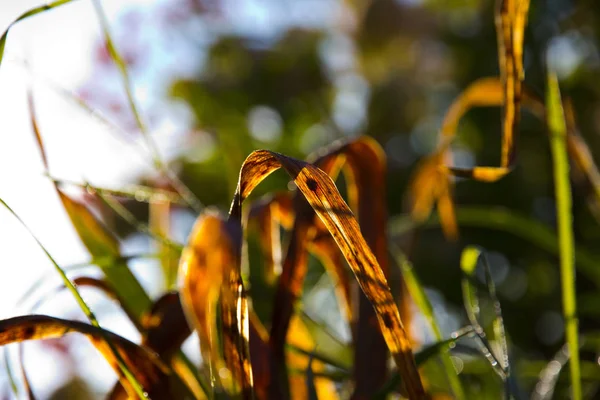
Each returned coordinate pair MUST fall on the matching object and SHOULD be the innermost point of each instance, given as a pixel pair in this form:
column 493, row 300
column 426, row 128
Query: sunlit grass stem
column 562, row 188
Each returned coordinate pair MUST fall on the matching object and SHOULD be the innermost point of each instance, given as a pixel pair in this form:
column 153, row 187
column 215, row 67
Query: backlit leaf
column 209, row 268
column 323, row 197
column 143, row 364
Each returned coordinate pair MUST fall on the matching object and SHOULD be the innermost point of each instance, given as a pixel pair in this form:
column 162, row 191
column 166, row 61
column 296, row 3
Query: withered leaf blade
column 323, row 196
column 210, row 270
column 163, row 328
column 489, row 92
column 511, row 17
column 364, row 165
column 431, row 185
column 145, row 365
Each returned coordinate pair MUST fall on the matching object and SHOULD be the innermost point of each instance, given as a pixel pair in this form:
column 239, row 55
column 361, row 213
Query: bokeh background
column 217, row 79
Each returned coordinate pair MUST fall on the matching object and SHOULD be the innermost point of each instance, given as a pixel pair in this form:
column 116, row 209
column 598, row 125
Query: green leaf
column 102, row 244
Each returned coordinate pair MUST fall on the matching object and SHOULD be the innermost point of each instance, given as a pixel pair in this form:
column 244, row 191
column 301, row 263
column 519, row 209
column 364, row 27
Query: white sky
column 58, row 46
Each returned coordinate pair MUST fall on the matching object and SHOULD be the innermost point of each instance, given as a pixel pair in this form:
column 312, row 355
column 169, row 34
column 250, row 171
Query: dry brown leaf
column 511, row 18
column 432, row 185
column 266, row 216
column 163, row 328
column 147, row 367
column 323, row 197
column 210, row 270
column 363, row 162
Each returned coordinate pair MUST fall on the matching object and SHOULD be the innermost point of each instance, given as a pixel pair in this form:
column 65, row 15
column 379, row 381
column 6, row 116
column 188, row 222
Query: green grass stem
column 566, row 243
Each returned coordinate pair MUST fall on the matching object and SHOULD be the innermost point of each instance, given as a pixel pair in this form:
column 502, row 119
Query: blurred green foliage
column 390, row 69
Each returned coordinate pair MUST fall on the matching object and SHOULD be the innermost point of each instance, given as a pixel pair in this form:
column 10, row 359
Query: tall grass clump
column 245, row 276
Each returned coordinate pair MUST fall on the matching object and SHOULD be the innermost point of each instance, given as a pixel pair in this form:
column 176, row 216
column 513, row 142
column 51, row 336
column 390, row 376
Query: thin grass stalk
column 137, row 387
column 566, row 244
column 424, row 305
column 179, row 186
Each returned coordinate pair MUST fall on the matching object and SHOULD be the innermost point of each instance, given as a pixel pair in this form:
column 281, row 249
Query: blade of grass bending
column 470, row 257
column 128, row 217
column 320, row 357
column 331, row 345
column 10, row 374
column 468, row 264
column 364, row 166
column 27, row 14
column 137, row 387
column 498, row 324
column 422, row 302
column 163, row 330
column 324, row 198
column 25, row 377
column 144, row 364
column 300, row 336
column 96, row 238
column 510, row 222
column 562, row 187
column 421, row 357
column 104, row 262
column 139, row 193
column 179, row 186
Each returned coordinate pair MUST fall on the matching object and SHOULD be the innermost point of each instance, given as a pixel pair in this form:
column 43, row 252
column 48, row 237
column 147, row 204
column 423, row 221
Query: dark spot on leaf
column 387, row 320
column 29, row 331
column 312, row 184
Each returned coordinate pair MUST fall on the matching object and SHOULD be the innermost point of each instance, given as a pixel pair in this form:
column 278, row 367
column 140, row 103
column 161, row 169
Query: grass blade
column 422, row 302
column 468, row 264
column 470, row 257
column 124, row 356
column 179, row 186
column 562, row 187
column 101, row 243
column 27, row 14
column 134, row 384
column 364, row 165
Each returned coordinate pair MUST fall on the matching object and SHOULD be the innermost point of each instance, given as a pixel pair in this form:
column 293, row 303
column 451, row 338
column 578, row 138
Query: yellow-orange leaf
column 209, row 268
column 145, row 365
column 322, row 195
